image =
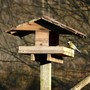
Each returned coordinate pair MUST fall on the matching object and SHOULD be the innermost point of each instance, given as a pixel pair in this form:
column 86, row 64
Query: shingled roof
column 44, row 23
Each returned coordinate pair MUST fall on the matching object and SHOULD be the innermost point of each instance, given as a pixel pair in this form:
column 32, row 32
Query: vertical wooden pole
column 42, row 39
column 45, row 76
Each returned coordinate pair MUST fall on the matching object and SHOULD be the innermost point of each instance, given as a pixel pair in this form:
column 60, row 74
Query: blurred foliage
column 17, row 72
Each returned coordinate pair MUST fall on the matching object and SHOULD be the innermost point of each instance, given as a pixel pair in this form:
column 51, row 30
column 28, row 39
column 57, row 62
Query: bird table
column 46, row 49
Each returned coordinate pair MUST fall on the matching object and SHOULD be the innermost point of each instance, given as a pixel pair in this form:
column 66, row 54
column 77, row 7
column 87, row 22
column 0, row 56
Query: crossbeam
column 46, row 50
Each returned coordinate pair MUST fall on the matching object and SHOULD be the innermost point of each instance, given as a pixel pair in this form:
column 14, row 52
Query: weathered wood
column 81, row 84
column 49, row 58
column 12, row 32
column 45, row 76
column 63, row 27
column 32, row 57
column 28, row 26
column 51, row 24
column 54, row 41
column 42, row 39
column 46, row 50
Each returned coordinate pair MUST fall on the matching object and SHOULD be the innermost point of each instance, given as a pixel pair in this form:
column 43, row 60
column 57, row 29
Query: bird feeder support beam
column 42, row 39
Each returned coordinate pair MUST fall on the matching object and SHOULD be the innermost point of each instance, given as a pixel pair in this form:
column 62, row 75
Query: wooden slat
column 46, row 50
column 32, row 57
column 41, row 38
column 67, row 28
column 82, row 84
column 12, row 32
column 28, row 27
column 49, row 58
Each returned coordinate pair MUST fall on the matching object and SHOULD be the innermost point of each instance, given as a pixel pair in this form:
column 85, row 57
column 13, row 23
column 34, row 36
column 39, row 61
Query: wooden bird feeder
column 46, row 49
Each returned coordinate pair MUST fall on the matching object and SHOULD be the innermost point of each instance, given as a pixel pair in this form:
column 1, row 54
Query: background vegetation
column 17, row 72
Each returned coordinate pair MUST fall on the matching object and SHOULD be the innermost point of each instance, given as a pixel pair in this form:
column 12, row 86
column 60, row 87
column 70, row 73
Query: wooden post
column 45, row 76
column 42, row 39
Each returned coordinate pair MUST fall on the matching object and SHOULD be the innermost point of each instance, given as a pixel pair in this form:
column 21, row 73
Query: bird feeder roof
column 44, row 23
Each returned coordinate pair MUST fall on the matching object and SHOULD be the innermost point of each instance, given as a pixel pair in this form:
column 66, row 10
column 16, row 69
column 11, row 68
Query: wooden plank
column 81, row 84
column 63, row 26
column 41, row 38
column 46, row 50
column 28, row 27
column 32, row 57
column 49, row 58
column 12, row 32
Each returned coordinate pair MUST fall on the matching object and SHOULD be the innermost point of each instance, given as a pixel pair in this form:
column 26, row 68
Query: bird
column 71, row 45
